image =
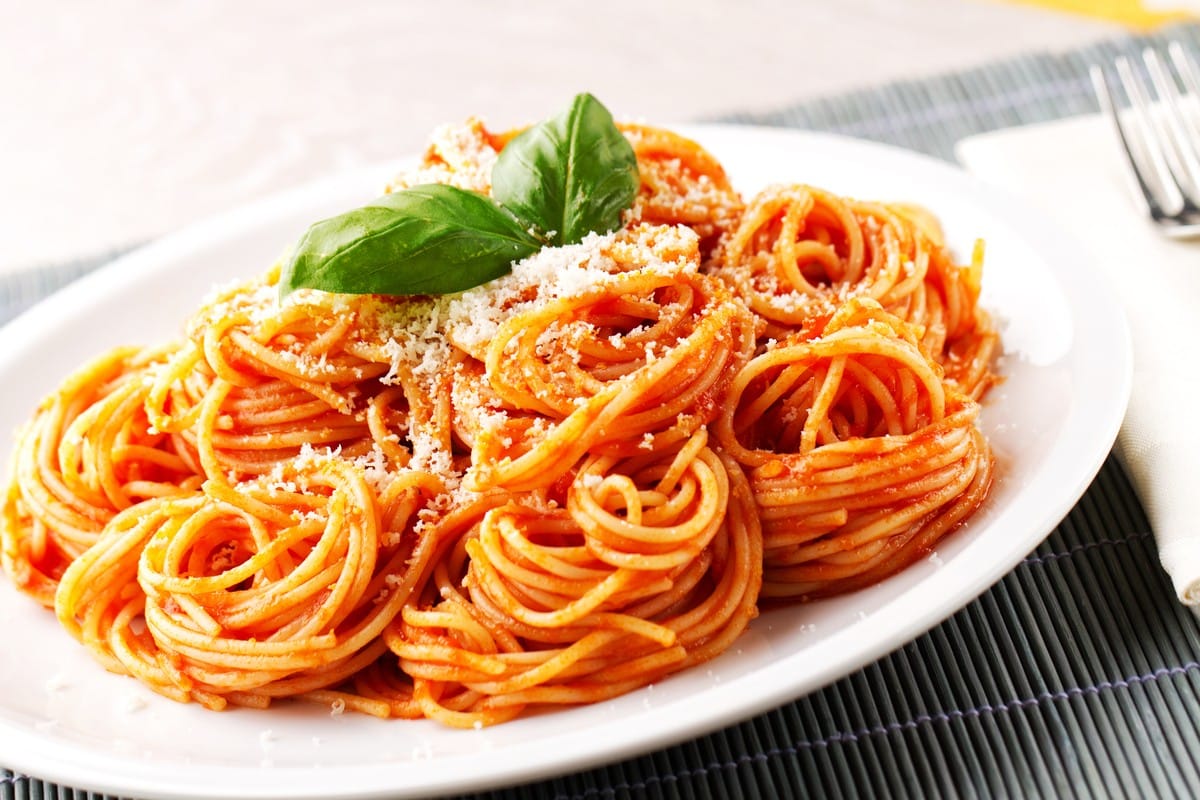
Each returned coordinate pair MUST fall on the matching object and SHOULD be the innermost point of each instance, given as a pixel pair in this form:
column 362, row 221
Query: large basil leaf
column 570, row 175
column 431, row 239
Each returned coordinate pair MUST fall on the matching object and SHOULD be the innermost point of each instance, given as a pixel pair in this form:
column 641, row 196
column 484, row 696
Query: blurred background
column 124, row 120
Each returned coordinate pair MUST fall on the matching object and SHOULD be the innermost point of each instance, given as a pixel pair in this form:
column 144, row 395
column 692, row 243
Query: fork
column 1160, row 140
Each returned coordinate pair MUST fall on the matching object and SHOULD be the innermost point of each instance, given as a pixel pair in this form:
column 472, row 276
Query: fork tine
column 1172, row 128
column 1171, row 199
column 1108, row 105
column 1186, row 68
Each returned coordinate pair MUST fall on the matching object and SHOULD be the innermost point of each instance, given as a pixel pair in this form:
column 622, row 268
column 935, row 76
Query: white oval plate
column 1052, row 422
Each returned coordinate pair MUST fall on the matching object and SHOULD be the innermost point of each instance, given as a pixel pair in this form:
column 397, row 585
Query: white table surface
column 124, row 120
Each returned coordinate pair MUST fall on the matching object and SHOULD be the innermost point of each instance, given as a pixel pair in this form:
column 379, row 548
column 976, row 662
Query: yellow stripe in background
column 1130, row 13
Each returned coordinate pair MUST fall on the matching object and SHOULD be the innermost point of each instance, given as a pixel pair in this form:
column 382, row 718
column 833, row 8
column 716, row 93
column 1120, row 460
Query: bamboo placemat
column 1078, row 674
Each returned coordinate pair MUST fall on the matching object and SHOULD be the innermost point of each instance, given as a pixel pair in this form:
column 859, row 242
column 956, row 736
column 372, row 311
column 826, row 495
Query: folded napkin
column 1072, row 171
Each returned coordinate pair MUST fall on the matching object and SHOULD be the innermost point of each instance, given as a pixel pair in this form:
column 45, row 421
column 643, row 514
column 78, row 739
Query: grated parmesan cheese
column 458, row 155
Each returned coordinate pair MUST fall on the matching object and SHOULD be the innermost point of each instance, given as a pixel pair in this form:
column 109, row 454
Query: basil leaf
column 570, row 175
column 430, row 239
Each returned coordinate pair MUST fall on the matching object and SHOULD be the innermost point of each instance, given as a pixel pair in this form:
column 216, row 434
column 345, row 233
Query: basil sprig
column 432, row 239
column 571, row 175
column 553, row 184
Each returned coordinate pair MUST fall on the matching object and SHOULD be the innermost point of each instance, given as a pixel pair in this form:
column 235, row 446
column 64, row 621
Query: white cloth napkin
column 1072, row 172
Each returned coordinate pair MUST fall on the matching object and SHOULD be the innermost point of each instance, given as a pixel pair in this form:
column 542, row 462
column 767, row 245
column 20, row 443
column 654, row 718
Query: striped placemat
column 1076, row 675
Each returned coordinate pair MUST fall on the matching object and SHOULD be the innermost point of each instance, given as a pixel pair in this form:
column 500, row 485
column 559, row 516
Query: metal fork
column 1161, row 140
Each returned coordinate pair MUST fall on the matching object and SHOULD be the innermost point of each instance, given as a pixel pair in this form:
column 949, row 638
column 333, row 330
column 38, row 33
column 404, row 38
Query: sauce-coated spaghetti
column 551, row 489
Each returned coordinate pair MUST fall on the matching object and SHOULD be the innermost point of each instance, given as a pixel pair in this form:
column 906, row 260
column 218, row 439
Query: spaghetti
column 552, row 489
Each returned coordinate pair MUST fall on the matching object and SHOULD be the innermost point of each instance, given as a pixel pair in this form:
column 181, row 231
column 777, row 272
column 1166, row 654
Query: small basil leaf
column 570, row 175
column 430, row 239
